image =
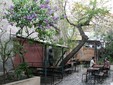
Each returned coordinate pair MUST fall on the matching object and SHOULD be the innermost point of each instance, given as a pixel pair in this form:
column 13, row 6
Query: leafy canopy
column 33, row 14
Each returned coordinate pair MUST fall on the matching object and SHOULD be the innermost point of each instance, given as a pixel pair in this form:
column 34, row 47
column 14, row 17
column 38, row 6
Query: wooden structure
column 36, row 53
column 89, row 50
column 42, row 58
column 85, row 54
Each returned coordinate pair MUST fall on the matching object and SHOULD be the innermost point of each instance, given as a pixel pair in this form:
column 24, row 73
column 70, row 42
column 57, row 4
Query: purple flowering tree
column 28, row 14
column 36, row 14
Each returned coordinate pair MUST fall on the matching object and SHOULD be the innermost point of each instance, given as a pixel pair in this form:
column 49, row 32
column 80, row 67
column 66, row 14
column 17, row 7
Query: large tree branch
column 83, row 35
column 79, row 25
column 67, row 17
column 72, row 53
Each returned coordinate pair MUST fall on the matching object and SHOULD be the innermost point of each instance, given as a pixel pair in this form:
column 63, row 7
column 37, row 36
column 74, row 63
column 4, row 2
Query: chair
column 84, row 75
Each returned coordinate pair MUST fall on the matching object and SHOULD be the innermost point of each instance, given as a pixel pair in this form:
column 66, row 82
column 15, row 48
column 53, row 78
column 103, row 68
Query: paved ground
column 76, row 79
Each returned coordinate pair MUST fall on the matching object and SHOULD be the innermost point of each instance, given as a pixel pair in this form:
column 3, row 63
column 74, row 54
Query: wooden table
column 93, row 69
column 98, row 66
column 91, row 72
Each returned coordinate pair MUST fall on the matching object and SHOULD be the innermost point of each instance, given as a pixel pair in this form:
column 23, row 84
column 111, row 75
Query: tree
column 6, row 50
column 33, row 14
column 108, row 38
column 85, row 16
column 37, row 15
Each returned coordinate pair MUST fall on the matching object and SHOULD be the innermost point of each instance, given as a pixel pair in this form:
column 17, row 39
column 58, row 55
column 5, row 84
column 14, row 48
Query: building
column 37, row 53
column 90, row 49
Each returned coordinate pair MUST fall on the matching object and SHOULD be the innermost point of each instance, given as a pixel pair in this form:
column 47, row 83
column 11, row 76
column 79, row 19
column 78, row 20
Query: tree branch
column 58, row 30
column 67, row 17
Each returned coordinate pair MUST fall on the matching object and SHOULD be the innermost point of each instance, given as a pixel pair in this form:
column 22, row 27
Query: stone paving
column 76, row 79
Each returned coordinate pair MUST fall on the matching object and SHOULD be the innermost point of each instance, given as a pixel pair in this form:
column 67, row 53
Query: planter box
column 30, row 81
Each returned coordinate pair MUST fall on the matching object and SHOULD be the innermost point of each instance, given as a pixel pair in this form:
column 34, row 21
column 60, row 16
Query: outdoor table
column 91, row 72
column 98, row 66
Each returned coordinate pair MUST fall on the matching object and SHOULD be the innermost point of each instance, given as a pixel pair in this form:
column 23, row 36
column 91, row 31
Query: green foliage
column 22, row 10
column 108, row 52
column 46, row 34
column 18, row 48
column 87, row 12
column 33, row 14
column 21, row 69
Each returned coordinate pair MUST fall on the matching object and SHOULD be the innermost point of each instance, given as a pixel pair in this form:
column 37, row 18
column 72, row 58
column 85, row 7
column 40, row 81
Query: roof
column 92, row 42
column 42, row 41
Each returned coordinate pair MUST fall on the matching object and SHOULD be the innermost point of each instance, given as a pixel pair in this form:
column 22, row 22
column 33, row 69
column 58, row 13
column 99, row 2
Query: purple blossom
column 33, row 15
column 47, row 1
column 43, row 6
column 64, row 16
column 30, row 17
column 46, row 21
column 6, row 13
column 55, row 18
column 11, row 7
column 51, row 12
column 56, row 8
column 48, row 26
column 49, row 8
column 40, row 26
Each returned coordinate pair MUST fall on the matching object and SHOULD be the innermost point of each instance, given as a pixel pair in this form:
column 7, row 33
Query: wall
column 34, row 55
column 85, row 54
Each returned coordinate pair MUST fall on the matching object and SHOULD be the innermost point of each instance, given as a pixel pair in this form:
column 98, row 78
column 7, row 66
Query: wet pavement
column 75, row 78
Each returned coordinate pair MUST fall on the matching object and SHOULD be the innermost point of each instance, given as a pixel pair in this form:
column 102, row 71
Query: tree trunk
column 77, row 48
column 4, row 75
column 73, row 52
